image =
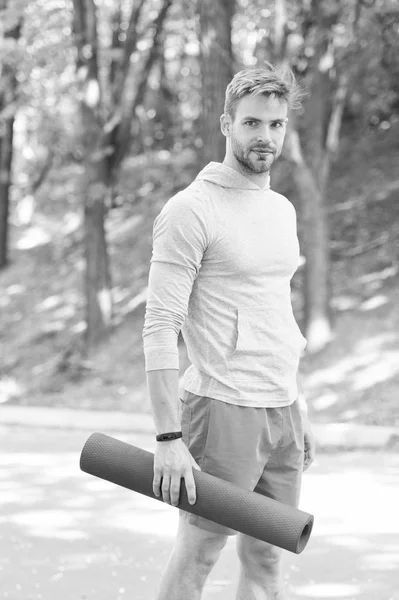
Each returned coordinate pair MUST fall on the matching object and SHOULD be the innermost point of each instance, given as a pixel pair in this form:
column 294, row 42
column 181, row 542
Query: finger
column 175, row 489
column 308, row 442
column 156, row 483
column 308, row 459
column 311, row 450
column 305, row 460
column 166, row 488
column 312, row 456
column 190, row 486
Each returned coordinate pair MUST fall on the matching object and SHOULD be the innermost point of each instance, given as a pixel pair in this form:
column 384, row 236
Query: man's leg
column 261, row 574
column 193, row 557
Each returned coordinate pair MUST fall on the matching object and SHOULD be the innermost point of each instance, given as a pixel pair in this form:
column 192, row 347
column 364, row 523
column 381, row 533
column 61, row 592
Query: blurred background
column 109, row 107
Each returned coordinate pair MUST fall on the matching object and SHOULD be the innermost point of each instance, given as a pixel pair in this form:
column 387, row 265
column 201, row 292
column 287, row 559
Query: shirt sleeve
column 180, row 239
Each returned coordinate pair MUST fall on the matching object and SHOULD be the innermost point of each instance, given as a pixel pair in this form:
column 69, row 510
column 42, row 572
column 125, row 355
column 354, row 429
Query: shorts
column 259, row 449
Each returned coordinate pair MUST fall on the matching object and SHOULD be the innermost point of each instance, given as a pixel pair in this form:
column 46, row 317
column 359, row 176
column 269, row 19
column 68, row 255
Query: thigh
column 280, row 480
column 197, row 541
column 282, row 476
column 224, row 439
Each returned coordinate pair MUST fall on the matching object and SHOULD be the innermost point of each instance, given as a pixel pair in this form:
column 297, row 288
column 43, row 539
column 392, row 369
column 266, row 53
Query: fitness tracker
column 166, row 437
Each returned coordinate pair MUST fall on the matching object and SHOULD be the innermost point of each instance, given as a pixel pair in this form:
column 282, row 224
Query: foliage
column 169, row 118
column 166, row 136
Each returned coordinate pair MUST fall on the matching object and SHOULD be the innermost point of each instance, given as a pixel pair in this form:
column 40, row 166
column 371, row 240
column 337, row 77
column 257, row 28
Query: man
column 224, row 252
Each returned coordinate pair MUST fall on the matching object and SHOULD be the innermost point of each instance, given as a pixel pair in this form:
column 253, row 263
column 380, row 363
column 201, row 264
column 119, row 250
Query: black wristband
column 167, row 437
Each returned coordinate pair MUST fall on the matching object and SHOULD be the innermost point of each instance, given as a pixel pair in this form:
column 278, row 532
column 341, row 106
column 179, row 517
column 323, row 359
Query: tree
column 216, row 69
column 12, row 22
column 313, row 145
column 311, row 162
column 308, row 38
column 107, row 117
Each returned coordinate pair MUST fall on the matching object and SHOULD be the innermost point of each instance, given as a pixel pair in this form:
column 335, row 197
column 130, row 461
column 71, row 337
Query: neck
column 260, row 179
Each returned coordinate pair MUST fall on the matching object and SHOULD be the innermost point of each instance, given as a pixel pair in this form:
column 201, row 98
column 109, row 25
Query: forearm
column 163, row 388
column 180, row 238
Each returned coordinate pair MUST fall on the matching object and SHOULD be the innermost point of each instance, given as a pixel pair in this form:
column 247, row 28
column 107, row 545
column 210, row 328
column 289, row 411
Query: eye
column 251, row 123
column 277, row 124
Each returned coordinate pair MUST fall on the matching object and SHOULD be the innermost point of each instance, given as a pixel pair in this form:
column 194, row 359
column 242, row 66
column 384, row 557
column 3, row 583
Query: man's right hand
column 172, row 462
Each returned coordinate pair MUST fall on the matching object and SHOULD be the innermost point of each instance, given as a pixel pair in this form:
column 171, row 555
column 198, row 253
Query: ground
column 65, row 534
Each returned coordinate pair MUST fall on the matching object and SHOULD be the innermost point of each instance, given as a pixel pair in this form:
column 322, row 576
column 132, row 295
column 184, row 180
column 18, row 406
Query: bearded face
column 256, row 135
column 255, row 157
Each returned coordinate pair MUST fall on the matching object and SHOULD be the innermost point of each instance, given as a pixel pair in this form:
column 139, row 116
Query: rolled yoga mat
column 217, row 500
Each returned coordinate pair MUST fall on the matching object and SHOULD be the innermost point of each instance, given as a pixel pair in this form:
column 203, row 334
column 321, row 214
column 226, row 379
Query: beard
column 253, row 162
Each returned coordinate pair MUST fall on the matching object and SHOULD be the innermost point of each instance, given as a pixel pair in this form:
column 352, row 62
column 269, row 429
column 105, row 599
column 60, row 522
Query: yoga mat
column 217, row 500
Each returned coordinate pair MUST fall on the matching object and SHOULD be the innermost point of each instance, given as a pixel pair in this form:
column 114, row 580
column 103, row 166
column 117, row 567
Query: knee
column 205, row 558
column 202, row 549
column 259, row 556
column 207, row 553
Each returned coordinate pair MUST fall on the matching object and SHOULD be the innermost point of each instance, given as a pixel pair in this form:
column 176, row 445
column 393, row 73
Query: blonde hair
column 266, row 80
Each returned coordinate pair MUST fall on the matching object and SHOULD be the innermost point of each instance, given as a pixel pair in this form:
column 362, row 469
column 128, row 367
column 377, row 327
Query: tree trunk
column 105, row 144
column 217, row 71
column 98, row 278
column 311, row 176
column 96, row 181
column 315, row 248
column 6, row 146
column 310, row 173
column 8, row 99
column 320, row 125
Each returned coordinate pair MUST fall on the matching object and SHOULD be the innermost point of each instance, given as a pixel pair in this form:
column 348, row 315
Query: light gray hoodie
column 224, row 252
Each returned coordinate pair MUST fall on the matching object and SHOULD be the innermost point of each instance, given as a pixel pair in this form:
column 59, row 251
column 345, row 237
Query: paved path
column 65, row 535
column 328, row 435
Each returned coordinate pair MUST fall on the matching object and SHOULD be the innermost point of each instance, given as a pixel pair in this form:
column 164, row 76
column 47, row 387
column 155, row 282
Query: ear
column 225, row 125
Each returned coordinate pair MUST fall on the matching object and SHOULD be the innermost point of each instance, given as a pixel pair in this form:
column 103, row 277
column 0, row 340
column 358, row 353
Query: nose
column 264, row 136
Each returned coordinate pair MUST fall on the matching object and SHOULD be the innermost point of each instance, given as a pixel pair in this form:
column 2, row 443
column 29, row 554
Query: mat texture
column 217, row 500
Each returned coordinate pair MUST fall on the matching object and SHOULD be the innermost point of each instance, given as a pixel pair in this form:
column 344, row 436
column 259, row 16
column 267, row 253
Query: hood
column 227, row 177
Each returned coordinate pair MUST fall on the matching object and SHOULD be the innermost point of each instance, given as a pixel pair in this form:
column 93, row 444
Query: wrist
column 169, row 436
column 302, row 403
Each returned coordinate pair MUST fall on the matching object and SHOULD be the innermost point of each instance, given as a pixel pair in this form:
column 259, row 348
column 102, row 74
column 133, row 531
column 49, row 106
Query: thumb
column 194, row 464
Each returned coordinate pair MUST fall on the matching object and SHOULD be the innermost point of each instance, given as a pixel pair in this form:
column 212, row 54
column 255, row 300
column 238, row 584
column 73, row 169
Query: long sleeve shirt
column 224, row 253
